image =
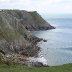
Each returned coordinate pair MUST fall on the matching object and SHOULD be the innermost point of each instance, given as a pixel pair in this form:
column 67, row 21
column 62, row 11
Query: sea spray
column 37, row 61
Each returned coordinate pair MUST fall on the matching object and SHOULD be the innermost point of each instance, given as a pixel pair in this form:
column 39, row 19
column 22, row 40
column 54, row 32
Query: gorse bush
column 2, row 59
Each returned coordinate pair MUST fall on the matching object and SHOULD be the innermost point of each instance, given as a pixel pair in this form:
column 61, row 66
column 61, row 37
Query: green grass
column 20, row 68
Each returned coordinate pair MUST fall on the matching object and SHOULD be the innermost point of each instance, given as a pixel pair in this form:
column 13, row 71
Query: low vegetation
column 20, row 68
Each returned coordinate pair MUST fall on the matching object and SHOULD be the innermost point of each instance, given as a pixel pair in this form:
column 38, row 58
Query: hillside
column 30, row 20
column 15, row 36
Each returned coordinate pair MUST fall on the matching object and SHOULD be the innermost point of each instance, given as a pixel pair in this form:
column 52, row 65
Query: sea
column 58, row 48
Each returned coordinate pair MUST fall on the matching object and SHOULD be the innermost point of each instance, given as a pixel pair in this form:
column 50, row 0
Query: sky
column 42, row 6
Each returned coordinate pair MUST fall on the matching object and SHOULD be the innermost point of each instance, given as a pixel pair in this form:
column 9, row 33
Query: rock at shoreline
column 37, row 62
column 45, row 40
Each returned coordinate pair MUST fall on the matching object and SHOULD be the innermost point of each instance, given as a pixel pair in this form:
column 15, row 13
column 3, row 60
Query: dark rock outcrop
column 38, row 64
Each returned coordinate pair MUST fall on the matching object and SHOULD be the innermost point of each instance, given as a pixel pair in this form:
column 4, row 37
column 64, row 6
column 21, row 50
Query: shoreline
column 16, row 40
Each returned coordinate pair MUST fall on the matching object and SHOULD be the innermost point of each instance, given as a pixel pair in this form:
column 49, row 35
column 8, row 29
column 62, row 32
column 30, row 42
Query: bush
column 2, row 59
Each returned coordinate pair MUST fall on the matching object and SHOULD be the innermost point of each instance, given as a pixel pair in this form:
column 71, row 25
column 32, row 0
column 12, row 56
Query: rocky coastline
column 16, row 41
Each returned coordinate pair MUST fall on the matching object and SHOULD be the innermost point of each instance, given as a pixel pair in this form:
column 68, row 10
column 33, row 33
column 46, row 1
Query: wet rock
column 37, row 64
column 45, row 40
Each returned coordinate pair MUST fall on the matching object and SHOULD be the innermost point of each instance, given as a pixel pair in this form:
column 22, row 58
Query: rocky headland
column 16, row 40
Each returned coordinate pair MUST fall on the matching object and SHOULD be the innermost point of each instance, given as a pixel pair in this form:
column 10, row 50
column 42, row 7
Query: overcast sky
column 42, row 6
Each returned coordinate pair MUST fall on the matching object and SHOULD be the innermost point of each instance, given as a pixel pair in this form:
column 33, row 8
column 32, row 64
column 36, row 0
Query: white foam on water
column 38, row 59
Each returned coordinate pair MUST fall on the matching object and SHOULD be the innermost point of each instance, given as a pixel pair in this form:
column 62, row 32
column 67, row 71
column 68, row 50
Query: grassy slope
column 18, row 68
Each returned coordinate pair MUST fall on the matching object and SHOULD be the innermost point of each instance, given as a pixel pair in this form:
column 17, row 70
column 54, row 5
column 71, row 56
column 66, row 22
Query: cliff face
column 39, row 23
column 30, row 20
column 15, row 36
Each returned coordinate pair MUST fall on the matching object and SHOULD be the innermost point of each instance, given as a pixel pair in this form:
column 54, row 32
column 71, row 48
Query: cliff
column 15, row 36
column 30, row 20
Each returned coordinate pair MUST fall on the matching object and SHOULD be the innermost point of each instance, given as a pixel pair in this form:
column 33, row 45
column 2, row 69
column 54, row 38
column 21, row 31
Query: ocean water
column 58, row 48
